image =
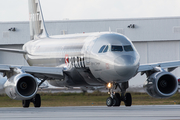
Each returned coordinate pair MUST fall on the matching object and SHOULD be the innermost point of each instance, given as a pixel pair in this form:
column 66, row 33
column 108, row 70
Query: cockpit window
column 128, row 48
column 106, row 49
column 102, row 48
column 116, row 48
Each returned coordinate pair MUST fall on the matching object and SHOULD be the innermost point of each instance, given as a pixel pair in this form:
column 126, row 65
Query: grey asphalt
column 157, row 112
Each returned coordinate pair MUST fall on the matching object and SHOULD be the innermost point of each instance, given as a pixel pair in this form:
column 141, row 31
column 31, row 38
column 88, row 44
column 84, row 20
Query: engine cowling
column 21, row 86
column 161, row 85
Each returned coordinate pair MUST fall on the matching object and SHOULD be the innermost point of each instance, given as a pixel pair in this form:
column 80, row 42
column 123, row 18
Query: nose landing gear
column 115, row 101
column 115, row 98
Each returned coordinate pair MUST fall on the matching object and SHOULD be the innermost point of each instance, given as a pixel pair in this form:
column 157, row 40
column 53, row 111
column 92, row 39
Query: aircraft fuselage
column 95, row 59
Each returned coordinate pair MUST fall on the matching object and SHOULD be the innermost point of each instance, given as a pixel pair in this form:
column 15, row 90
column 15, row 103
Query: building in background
column 156, row 39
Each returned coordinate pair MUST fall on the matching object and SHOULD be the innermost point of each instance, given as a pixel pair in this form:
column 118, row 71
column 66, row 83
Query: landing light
column 109, row 85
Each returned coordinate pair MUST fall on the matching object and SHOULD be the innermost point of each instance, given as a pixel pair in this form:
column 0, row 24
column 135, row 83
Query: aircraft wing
column 39, row 72
column 165, row 65
column 13, row 50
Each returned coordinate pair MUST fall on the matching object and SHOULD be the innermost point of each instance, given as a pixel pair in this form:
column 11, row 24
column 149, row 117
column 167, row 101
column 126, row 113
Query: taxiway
column 149, row 112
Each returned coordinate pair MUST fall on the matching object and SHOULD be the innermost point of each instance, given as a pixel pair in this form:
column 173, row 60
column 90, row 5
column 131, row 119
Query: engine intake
column 26, row 86
column 161, row 85
column 21, row 86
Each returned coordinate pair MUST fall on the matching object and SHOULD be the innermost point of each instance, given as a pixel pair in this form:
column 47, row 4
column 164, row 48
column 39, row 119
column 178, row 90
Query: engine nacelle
column 21, row 86
column 161, row 85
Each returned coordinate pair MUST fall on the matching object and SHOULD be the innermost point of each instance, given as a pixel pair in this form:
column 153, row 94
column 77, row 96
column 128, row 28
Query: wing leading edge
column 39, row 72
column 171, row 65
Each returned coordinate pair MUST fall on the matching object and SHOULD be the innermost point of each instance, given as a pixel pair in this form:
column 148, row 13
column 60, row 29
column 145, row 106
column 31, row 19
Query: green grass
column 88, row 99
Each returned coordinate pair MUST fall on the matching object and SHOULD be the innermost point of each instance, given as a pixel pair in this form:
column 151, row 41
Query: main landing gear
column 115, row 98
column 36, row 101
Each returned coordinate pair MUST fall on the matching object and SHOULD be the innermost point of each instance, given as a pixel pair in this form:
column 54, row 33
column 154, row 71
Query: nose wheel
column 109, row 101
column 113, row 102
column 115, row 98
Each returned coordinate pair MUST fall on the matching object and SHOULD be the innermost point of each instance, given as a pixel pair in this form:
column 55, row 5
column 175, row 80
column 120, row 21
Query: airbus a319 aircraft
column 82, row 60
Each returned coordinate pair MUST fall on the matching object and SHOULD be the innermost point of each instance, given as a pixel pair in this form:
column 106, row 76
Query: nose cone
column 126, row 66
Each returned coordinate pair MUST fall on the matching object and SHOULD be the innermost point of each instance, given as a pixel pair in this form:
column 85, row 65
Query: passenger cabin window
column 116, row 48
column 102, row 48
column 128, row 48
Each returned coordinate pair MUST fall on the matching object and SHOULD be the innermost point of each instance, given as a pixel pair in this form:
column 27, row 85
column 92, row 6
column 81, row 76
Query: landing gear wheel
column 109, row 101
column 25, row 103
column 117, row 100
column 128, row 100
column 37, row 101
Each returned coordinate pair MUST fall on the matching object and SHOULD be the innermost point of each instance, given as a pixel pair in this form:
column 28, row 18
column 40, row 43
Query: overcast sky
column 17, row 10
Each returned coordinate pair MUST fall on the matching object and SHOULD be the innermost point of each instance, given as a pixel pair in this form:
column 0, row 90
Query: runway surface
column 164, row 112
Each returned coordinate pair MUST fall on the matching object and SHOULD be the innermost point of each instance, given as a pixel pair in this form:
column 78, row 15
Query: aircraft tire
column 117, row 100
column 37, row 101
column 109, row 101
column 128, row 100
column 25, row 103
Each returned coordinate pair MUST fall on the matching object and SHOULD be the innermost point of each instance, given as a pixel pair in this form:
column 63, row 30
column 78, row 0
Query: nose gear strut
column 115, row 97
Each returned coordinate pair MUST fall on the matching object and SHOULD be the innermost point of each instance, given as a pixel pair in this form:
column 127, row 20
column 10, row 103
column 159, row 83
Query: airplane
column 82, row 60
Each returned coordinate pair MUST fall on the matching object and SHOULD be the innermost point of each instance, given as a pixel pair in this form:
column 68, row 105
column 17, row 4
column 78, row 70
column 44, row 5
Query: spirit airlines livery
column 82, row 60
